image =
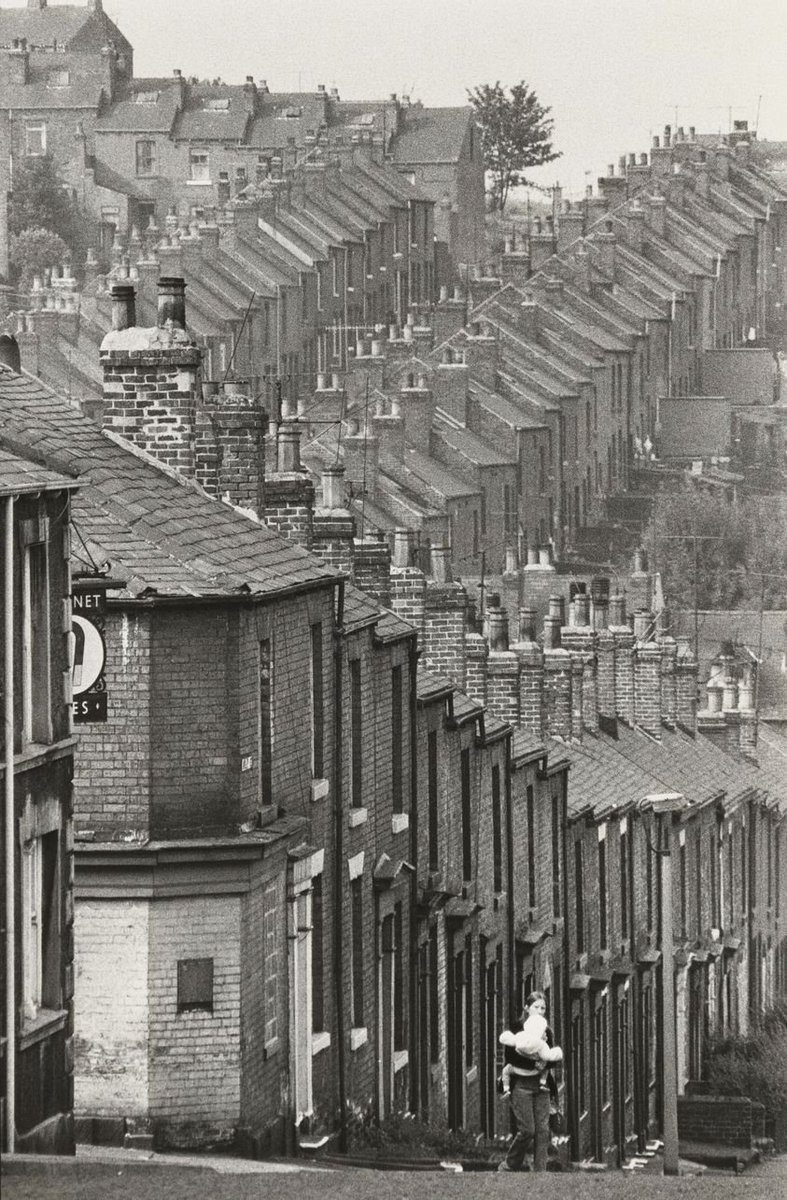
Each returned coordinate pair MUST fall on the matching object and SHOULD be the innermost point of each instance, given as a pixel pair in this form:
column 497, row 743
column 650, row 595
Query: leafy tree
column 40, row 201
column 33, row 251
column 741, row 549
column 516, row 133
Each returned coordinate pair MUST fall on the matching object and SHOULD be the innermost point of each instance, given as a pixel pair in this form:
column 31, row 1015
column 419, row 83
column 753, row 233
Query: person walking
column 528, row 1054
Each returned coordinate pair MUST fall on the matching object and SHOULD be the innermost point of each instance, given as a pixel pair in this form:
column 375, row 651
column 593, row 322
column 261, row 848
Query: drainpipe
column 571, row 1083
column 338, row 941
column 510, row 942
column 416, row 1040
column 10, row 839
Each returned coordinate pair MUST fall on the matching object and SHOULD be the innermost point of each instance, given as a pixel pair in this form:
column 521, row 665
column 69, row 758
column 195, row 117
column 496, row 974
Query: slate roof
column 471, row 446
column 432, row 135
column 60, row 23
column 603, row 780
column 19, row 475
column 529, row 745
column 82, row 93
column 198, row 121
column 130, row 115
column 162, row 532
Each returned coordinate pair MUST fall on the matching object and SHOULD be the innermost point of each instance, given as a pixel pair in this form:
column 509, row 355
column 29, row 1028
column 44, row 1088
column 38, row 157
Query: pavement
column 104, row 1173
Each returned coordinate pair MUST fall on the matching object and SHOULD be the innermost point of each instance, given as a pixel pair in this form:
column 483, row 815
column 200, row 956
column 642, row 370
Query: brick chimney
column 445, row 620
column 151, row 377
column 686, row 686
column 669, row 697
column 333, row 527
column 361, row 460
column 570, row 227
column 502, row 666
column 481, row 354
column 229, row 445
column 372, row 567
column 450, row 314
column 647, row 688
column 408, row 585
column 289, row 492
column 558, row 703
column 417, row 406
column 580, row 639
column 476, row 677
column 450, row 383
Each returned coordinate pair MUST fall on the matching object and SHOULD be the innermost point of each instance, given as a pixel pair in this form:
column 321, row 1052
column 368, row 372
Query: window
column 199, row 166
column 146, row 158
column 624, row 880
column 58, row 79
column 265, row 716
column 356, row 735
column 40, row 924
column 270, row 963
column 318, row 962
column 195, row 985
column 683, row 902
column 468, row 986
column 35, row 139
column 476, row 543
column 557, row 899
column 36, row 664
column 356, row 948
column 433, row 801
column 714, row 882
column 397, row 747
column 531, row 847
column 578, row 897
column 434, row 998
column 467, row 836
column 497, row 832
column 400, row 1007
column 317, row 711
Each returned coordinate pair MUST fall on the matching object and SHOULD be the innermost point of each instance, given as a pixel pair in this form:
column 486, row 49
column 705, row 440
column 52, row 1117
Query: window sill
column 400, row 1060
column 400, row 822
column 35, row 754
column 46, row 1022
column 358, row 1037
column 357, row 816
column 471, row 1075
column 320, row 1041
column 199, row 183
column 320, row 789
column 271, row 1047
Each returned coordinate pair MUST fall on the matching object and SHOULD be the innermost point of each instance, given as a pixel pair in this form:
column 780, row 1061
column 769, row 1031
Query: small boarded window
column 195, row 985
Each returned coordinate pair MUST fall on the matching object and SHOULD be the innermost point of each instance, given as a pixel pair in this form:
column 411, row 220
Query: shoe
column 503, row 1166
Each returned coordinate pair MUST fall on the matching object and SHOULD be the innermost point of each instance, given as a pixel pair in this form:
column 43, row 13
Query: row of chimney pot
column 171, row 304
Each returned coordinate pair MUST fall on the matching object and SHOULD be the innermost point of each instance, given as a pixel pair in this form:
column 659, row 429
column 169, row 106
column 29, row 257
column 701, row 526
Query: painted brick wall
column 111, row 1071
column 194, row 1056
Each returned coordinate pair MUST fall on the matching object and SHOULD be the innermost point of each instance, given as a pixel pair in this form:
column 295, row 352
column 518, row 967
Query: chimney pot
column 527, row 624
column 617, row 609
column 403, row 541
column 440, row 563
column 171, row 301
column 333, row 487
column 123, row 306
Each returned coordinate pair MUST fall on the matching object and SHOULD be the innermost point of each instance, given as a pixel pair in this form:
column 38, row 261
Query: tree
column 39, row 200
column 516, row 133
column 741, row 549
column 33, row 251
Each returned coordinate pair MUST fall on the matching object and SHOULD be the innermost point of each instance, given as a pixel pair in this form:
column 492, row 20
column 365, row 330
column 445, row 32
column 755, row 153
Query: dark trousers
column 530, row 1110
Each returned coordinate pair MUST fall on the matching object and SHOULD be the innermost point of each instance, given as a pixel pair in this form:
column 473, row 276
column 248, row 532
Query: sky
column 614, row 72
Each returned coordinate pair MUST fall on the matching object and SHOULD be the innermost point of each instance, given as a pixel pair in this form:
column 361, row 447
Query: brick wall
column 150, row 397
column 111, row 1061
column 112, row 781
column 723, row 1120
column 194, row 1056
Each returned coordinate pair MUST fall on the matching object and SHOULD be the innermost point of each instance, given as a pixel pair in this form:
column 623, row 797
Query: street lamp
column 663, row 805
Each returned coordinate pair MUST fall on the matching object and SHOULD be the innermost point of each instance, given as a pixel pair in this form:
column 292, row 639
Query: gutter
column 10, row 839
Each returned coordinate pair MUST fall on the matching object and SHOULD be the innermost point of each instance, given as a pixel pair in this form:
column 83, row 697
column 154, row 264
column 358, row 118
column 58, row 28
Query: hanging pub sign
column 88, row 610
